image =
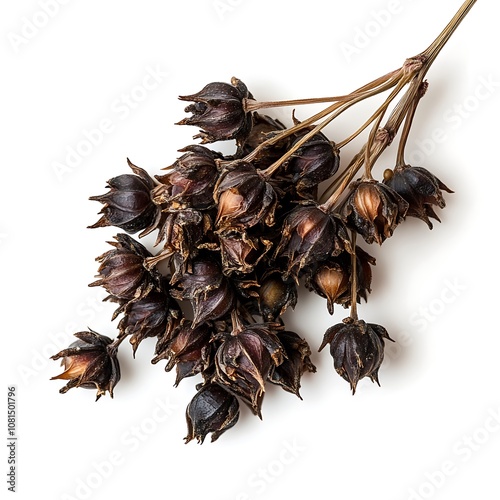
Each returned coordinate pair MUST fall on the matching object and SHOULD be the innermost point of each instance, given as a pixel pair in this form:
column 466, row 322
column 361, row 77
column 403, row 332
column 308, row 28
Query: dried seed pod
column 188, row 350
column 315, row 161
column 204, row 274
column 240, row 252
column 89, row 362
column 309, row 236
column 263, row 127
column 357, row 349
column 419, row 188
column 219, row 111
column 128, row 204
column 214, row 304
column 245, row 360
column 373, row 210
column 203, row 284
column 212, row 410
column 297, row 361
column 276, row 295
column 122, row 272
column 156, row 315
column 190, row 183
column 244, row 198
column 181, row 233
column 332, row 278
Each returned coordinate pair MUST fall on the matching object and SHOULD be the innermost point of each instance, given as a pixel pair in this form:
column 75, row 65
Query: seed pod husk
column 212, row 410
column 89, row 362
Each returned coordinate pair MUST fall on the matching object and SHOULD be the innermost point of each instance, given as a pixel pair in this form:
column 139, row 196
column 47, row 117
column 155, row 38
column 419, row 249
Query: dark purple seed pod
column 240, row 252
column 357, row 349
column 244, row 198
column 89, row 362
column 420, row 189
column 276, row 295
column 289, row 373
column 373, row 210
column 181, row 233
column 156, row 315
column 128, row 204
column 310, row 235
column 219, row 111
column 245, row 360
column 188, row 350
column 314, row 162
column 332, row 278
column 190, row 182
column 122, row 272
column 212, row 410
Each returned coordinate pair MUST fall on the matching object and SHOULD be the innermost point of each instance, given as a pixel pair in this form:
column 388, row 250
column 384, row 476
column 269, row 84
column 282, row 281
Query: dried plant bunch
column 237, row 235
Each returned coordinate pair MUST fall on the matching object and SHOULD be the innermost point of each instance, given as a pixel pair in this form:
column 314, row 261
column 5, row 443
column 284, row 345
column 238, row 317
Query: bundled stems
column 412, row 72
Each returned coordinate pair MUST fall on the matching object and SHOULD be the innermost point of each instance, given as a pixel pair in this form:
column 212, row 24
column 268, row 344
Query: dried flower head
column 289, row 373
column 245, row 360
column 188, row 350
column 128, row 203
column 309, row 236
column 219, row 111
column 191, row 181
column 212, row 410
column 332, row 278
column 244, row 198
column 240, row 252
column 357, row 349
column 122, row 272
column 89, row 362
column 155, row 315
column 276, row 295
column 315, row 161
column 419, row 188
column 209, row 291
column 181, row 233
column 374, row 210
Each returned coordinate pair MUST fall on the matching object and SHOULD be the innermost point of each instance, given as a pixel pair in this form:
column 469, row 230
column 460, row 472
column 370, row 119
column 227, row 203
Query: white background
column 429, row 431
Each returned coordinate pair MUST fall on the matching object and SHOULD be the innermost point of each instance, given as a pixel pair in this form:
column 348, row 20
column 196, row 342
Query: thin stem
column 420, row 64
column 400, row 159
column 388, row 81
column 434, row 49
column 354, row 279
column 352, row 170
column 252, row 105
column 113, row 347
column 400, row 83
